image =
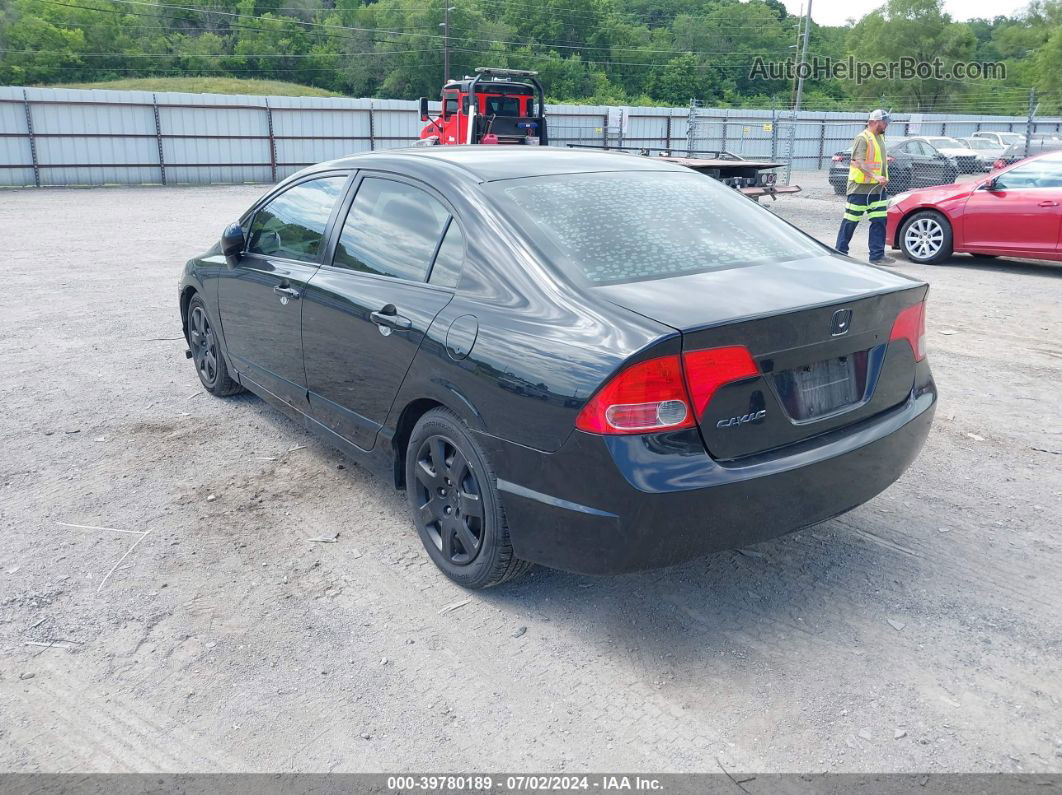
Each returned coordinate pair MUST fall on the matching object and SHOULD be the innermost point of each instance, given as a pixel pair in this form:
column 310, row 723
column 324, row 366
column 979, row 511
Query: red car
column 1013, row 212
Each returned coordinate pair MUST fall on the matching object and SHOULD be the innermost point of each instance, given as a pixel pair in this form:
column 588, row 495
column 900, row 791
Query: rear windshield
column 633, row 225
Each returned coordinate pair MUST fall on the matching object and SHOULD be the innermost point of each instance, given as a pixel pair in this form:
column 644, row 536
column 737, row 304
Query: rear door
column 1022, row 215
column 391, row 268
column 259, row 298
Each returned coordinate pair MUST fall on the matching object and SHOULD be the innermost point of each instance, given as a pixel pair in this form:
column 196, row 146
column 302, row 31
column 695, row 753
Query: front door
column 1022, row 214
column 260, row 298
column 392, row 270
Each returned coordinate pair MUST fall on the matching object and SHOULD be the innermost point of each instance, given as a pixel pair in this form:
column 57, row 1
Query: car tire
column 454, row 502
column 207, row 354
column 926, row 238
column 840, row 189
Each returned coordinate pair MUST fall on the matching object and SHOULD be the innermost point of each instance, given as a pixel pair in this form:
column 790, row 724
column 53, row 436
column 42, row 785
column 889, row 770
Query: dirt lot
column 200, row 629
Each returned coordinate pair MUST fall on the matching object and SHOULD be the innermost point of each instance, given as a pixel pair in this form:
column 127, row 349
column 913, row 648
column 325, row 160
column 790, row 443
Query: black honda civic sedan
column 597, row 362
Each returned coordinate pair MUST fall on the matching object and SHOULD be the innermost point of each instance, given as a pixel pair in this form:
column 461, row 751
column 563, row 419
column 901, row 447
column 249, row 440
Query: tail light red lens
column 998, row 164
column 645, row 397
column 711, row 368
column 910, row 325
column 654, row 395
column 837, row 158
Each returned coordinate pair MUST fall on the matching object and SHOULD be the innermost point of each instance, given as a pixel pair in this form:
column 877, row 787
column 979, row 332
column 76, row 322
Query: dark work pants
column 875, row 207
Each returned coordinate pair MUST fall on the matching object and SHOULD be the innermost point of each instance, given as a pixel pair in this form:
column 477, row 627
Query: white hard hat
column 879, row 115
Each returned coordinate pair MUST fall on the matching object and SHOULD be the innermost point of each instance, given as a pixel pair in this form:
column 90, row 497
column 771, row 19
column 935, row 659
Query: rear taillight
column 838, row 158
column 645, row 397
column 654, row 396
column 709, row 369
column 910, row 325
column 999, row 164
column 890, row 159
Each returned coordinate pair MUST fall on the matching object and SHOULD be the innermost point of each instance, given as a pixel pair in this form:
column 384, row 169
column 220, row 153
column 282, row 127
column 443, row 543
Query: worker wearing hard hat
column 868, row 176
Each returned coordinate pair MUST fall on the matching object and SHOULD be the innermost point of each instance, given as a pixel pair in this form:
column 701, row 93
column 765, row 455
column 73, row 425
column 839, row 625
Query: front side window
column 292, row 225
column 1041, row 173
column 632, row 225
column 392, row 229
column 449, row 105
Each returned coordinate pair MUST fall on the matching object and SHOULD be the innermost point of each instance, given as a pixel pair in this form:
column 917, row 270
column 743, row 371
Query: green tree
column 919, row 29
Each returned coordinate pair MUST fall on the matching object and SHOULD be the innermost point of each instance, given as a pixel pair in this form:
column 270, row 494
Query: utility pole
column 445, row 25
column 1029, row 120
column 799, row 94
column 796, row 49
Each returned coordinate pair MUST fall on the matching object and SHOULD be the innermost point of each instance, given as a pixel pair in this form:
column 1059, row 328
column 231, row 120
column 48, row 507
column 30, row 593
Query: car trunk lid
column 819, row 334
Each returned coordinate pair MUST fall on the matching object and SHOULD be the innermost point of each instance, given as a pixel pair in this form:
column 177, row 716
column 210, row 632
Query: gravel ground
column 190, row 624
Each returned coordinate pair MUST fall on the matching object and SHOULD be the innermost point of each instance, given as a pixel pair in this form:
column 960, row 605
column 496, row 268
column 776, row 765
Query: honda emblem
column 842, row 321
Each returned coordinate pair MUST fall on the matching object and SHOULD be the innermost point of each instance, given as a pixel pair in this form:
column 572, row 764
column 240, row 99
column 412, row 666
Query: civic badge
column 842, row 321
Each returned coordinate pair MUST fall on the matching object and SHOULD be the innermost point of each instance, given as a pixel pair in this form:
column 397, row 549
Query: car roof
column 489, row 163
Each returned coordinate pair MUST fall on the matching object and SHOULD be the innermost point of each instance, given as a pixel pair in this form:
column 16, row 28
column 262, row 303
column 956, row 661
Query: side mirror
column 423, row 108
column 989, row 185
column 233, row 243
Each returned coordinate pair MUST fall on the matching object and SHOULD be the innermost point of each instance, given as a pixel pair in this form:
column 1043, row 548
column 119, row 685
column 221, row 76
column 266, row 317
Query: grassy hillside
column 208, row 85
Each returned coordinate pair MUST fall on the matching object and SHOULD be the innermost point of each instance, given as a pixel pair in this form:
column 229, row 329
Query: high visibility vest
column 874, row 162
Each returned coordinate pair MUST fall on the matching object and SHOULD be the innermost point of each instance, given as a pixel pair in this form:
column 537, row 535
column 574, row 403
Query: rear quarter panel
column 540, row 347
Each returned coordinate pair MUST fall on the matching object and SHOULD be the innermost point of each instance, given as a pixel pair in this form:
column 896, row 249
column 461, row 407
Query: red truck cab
column 497, row 106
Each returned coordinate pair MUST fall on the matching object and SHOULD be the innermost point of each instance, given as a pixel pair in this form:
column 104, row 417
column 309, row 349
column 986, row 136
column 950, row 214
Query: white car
column 988, row 151
column 1001, row 139
column 963, row 157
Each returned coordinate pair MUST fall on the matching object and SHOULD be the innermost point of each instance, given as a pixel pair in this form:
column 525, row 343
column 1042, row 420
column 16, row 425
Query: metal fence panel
column 94, row 137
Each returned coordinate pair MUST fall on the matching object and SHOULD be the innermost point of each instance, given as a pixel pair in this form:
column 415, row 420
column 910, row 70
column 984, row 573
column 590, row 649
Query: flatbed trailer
column 753, row 178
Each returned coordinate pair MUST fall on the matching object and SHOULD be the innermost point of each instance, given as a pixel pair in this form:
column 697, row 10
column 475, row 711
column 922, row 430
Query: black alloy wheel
column 455, row 505
column 204, row 346
column 449, row 496
column 206, row 351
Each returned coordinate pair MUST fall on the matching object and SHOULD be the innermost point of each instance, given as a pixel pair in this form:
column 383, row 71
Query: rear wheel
column 926, row 237
column 453, row 498
column 206, row 352
column 839, row 189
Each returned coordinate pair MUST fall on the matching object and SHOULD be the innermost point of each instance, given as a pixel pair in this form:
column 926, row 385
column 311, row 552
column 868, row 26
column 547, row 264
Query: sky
column 836, row 12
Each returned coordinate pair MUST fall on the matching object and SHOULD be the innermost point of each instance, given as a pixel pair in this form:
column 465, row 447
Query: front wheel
column 206, row 352
column 453, row 498
column 925, row 237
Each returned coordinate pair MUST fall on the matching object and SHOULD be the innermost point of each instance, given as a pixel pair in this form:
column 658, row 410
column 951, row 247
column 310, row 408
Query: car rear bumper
column 606, row 505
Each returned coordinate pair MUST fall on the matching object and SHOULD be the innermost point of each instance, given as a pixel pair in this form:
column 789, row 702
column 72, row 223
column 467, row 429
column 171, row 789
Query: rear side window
column 626, row 226
column 451, row 257
column 392, row 229
column 292, row 225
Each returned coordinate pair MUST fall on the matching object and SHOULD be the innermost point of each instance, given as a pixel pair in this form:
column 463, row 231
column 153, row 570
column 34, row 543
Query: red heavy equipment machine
column 508, row 106
column 497, row 106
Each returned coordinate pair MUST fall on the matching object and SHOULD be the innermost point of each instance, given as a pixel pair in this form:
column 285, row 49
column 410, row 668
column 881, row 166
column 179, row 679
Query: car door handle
column 388, row 317
column 287, row 292
column 1048, row 203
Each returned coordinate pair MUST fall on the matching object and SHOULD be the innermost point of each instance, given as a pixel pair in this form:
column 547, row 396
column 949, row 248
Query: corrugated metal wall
column 100, row 137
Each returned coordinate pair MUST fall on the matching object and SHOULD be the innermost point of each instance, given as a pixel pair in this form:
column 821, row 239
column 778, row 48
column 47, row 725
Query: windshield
column 1011, row 138
column 627, row 226
column 945, row 143
column 980, row 143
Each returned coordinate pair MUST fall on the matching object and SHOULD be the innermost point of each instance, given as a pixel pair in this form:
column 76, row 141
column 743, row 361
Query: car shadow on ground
column 728, row 603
